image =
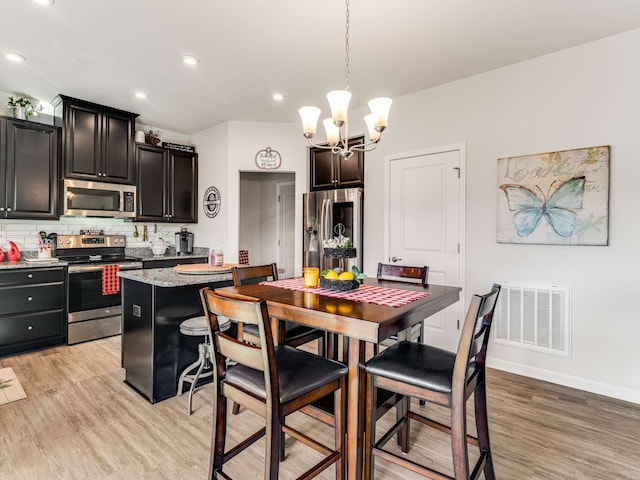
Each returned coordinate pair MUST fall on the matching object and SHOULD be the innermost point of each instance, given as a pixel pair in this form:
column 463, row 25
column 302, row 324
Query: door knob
column 395, row 259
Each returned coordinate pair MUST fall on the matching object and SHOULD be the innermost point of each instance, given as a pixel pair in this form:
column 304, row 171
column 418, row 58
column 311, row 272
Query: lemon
column 345, row 276
column 331, row 275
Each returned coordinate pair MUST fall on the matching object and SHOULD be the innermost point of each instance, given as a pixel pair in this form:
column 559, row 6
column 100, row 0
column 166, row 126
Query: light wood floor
column 80, row 421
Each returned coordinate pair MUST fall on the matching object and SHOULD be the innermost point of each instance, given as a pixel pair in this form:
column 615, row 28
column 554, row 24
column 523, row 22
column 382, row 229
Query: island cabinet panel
column 167, row 185
column 154, row 352
column 330, row 170
column 29, row 155
column 97, row 141
column 32, row 308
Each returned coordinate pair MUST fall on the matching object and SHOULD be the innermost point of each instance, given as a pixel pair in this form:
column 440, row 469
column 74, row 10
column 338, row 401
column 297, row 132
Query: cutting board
column 202, row 268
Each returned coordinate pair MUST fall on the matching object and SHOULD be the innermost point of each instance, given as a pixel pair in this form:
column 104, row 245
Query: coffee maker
column 184, row 242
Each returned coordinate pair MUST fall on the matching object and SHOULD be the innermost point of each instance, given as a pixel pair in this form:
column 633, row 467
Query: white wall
column 228, row 149
column 581, row 97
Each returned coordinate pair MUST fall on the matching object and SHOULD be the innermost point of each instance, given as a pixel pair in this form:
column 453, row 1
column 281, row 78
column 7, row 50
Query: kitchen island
column 154, row 303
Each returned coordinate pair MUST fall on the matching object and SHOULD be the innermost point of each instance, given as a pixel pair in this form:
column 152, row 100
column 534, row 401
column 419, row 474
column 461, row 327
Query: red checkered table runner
column 389, row 297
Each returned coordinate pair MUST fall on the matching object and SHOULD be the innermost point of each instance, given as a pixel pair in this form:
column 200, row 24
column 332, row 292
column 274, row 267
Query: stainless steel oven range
column 92, row 312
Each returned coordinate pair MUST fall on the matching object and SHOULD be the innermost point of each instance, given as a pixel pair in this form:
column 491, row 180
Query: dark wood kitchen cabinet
column 32, row 308
column 97, row 141
column 167, row 185
column 330, row 170
column 29, row 154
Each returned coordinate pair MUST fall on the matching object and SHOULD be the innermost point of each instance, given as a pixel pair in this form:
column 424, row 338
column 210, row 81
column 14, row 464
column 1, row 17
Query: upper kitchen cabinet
column 167, row 185
column 29, row 154
column 97, row 141
column 330, row 170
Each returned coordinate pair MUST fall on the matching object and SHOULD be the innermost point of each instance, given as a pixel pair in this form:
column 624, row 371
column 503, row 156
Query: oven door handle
column 96, row 268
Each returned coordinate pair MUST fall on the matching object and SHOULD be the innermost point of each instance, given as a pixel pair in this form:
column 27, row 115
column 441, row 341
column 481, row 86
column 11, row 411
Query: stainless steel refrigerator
column 328, row 214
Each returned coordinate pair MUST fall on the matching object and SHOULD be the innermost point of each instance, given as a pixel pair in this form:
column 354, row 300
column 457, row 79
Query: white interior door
column 425, row 222
column 286, row 229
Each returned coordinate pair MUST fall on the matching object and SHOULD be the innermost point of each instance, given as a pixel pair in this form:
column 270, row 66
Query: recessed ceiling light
column 141, row 95
column 43, row 2
column 14, row 57
column 190, row 60
column 278, row 97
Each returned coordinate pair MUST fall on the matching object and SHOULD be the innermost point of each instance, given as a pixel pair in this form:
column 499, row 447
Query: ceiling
column 105, row 51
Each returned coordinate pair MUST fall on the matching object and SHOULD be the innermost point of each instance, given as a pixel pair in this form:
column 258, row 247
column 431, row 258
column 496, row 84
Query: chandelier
column 337, row 127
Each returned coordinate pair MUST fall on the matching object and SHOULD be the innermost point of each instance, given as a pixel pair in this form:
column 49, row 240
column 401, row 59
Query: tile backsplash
column 25, row 232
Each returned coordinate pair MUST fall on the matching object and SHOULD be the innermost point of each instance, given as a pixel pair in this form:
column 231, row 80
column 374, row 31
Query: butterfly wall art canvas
column 555, row 198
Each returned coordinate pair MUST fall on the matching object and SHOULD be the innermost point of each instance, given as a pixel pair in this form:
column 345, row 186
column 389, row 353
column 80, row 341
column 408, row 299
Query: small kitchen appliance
column 184, row 242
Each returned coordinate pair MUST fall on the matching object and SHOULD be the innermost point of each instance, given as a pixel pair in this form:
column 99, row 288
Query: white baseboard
column 614, row 391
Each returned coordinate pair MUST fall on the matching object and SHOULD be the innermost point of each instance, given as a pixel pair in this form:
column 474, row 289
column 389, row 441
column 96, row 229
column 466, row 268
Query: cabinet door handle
column 1, row 209
column 29, row 299
column 30, row 275
column 9, row 209
column 30, row 327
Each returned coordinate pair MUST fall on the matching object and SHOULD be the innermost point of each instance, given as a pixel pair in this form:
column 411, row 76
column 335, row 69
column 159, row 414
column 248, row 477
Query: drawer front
column 30, row 327
column 31, row 298
column 31, row 276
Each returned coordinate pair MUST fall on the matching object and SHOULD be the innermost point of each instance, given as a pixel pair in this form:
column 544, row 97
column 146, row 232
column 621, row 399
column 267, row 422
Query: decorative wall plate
column 268, row 159
column 211, row 202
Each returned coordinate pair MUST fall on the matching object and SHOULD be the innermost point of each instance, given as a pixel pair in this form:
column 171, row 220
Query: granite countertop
column 145, row 253
column 31, row 255
column 167, row 277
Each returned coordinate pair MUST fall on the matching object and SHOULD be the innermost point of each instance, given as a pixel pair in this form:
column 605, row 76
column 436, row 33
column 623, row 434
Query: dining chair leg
column 282, row 439
column 218, row 432
column 459, row 440
column 482, row 428
column 402, row 410
column 340, row 428
column 272, row 454
column 369, row 428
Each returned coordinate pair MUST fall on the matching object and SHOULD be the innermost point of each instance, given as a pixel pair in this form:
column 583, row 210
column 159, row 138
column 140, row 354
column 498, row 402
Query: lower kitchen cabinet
column 167, row 185
column 32, row 308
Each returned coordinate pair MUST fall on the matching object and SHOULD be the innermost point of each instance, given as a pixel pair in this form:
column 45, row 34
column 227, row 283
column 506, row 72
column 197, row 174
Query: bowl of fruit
column 336, row 279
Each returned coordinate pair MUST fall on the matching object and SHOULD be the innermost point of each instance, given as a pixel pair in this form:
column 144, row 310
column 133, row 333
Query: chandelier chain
column 346, row 48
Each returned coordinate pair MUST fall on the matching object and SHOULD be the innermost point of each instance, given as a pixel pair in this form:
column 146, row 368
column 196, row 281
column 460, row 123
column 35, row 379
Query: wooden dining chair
column 295, row 335
column 272, row 381
column 441, row 377
column 403, row 273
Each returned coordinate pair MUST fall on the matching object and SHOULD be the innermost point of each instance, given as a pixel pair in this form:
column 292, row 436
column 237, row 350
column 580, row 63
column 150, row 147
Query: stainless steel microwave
column 98, row 199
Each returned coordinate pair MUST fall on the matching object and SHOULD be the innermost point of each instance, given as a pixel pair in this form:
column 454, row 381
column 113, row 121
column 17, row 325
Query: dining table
column 370, row 314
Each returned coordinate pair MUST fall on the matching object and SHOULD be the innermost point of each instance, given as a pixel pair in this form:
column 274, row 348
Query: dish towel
column 110, row 279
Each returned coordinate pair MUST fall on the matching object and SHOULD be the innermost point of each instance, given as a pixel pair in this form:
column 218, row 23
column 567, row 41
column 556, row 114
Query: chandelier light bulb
column 374, row 135
column 339, row 103
column 309, row 116
column 380, row 110
column 332, row 130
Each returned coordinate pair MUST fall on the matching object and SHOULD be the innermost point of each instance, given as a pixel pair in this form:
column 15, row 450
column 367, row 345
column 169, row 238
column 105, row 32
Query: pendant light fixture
column 337, row 127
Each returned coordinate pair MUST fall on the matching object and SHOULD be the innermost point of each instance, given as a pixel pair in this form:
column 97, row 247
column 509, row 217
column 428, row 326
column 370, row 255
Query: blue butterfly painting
column 556, row 207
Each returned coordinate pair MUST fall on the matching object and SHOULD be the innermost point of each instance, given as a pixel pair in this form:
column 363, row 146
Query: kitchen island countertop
column 167, row 277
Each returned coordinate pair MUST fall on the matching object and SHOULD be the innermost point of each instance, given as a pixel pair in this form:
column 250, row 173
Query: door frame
column 279, row 187
column 461, row 149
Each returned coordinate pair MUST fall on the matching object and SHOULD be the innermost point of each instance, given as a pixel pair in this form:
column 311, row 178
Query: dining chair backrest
column 254, row 274
column 472, row 347
column 403, row 273
column 251, row 311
